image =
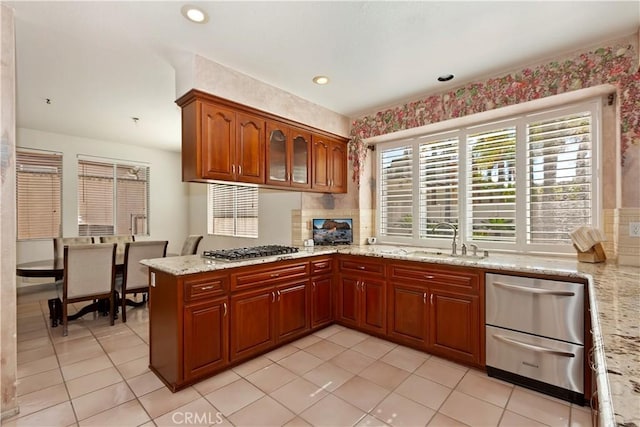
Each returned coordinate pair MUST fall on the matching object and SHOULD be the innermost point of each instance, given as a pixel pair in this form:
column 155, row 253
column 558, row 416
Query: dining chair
column 136, row 276
column 190, row 246
column 120, row 240
column 89, row 274
column 60, row 242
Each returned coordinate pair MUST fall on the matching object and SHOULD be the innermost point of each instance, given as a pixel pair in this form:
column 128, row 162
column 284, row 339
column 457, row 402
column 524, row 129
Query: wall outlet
column 634, row 229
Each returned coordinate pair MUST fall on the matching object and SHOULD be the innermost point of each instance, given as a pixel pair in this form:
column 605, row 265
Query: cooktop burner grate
column 247, row 253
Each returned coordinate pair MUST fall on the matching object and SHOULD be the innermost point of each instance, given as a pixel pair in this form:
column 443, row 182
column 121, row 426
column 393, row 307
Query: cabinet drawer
column 429, row 276
column 359, row 265
column 205, row 286
column 321, row 266
column 268, row 275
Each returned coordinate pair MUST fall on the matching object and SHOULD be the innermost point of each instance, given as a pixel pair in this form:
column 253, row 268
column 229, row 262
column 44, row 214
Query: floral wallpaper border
column 614, row 64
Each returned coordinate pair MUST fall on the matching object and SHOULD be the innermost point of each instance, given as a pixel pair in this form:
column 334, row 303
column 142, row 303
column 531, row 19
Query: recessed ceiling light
column 194, row 14
column 445, row 77
column 321, row 80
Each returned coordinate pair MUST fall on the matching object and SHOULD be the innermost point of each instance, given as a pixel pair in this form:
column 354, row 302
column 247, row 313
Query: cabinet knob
column 428, row 276
column 224, row 306
column 274, row 275
column 239, row 169
column 206, row 288
column 424, row 298
column 278, row 293
column 361, row 267
column 431, row 299
column 273, row 297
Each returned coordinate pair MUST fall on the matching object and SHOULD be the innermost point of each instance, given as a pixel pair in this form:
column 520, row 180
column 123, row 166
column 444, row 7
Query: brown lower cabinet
column 206, row 337
column 437, row 309
column 201, row 324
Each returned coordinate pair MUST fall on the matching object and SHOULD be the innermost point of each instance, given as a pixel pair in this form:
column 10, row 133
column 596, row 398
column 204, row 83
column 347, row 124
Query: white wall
column 274, row 227
column 168, row 210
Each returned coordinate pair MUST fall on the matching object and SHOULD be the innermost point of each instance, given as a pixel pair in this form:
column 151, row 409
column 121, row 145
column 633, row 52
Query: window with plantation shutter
column 559, row 185
column 492, row 187
column 521, row 183
column 38, row 194
column 113, row 198
column 233, row 210
column 438, row 172
column 396, row 191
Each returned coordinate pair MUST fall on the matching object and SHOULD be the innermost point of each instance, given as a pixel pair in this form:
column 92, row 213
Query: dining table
column 54, row 268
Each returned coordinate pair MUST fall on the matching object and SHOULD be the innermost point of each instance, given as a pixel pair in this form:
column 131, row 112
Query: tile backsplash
column 301, row 228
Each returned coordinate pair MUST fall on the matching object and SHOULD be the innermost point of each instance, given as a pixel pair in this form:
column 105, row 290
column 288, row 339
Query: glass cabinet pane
column 300, row 159
column 277, row 156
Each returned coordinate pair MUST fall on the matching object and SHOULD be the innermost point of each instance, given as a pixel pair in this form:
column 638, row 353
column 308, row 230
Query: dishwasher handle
column 536, row 291
column 533, row 347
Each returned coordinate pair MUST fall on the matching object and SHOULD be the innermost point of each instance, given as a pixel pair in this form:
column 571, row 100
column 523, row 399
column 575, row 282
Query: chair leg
column 123, row 305
column 65, row 320
column 112, row 308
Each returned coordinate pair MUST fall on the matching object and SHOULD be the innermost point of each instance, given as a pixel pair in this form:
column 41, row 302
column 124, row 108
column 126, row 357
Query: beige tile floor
column 98, row 375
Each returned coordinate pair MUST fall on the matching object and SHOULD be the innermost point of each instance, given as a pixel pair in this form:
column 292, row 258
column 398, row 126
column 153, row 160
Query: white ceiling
column 102, row 63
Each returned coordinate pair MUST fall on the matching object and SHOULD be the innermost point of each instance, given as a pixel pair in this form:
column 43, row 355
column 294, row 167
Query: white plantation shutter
column 439, row 162
column 396, row 192
column 112, row 198
column 559, row 170
column 491, row 193
column 38, row 194
column 233, row 210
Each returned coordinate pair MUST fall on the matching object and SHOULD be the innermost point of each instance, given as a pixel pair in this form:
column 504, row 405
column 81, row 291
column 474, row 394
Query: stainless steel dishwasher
column 535, row 334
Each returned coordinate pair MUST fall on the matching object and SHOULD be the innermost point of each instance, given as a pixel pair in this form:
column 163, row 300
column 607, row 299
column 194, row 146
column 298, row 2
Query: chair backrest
column 190, row 246
column 120, row 240
column 60, row 242
column 89, row 269
column 136, row 275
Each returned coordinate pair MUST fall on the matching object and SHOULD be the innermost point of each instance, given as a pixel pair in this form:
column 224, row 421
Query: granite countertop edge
column 605, row 281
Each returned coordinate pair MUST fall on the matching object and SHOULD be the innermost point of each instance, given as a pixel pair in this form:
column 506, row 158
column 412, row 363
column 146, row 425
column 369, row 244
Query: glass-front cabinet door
column 300, row 156
column 277, row 164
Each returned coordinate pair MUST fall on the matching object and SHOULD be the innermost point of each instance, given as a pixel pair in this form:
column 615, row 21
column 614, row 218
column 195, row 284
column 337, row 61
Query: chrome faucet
column 455, row 235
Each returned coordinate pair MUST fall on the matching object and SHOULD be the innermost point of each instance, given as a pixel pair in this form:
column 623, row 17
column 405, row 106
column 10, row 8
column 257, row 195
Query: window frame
column 115, row 164
column 211, row 229
column 519, row 120
column 26, row 151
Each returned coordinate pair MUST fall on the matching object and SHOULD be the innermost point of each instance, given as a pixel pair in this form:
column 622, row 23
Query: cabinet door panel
column 206, row 346
column 338, row 167
column 218, row 142
column 455, row 326
column 407, row 314
column 293, row 318
column 320, row 164
column 374, row 306
column 348, row 295
column 250, row 149
column 300, row 159
column 277, row 153
column 252, row 322
column 321, row 297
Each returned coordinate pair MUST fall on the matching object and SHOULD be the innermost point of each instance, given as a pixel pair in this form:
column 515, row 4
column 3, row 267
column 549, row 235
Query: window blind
column 38, row 194
column 233, row 210
column 396, row 192
column 492, row 187
column 112, row 198
column 559, row 184
column 438, row 186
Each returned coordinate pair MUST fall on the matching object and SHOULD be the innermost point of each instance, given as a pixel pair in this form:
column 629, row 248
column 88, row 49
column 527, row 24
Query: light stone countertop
column 614, row 297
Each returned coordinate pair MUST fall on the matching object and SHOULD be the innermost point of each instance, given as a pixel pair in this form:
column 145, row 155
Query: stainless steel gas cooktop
column 246, row 253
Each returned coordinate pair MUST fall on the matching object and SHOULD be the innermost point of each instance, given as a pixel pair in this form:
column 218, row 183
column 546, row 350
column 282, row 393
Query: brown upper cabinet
column 288, row 156
column 226, row 141
column 329, row 165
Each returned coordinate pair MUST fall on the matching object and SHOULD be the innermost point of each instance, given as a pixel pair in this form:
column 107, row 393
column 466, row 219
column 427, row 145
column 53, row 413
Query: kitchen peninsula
column 213, row 292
